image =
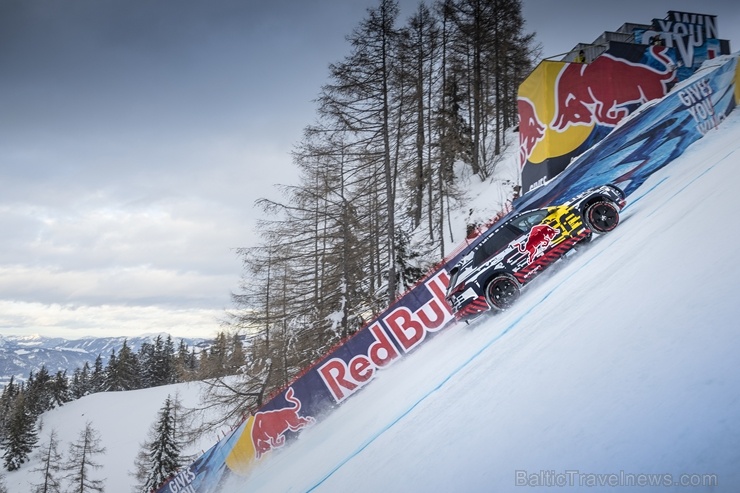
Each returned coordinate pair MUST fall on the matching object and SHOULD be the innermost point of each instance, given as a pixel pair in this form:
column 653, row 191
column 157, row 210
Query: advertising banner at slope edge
column 398, row 330
column 652, row 138
column 645, row 143
column 566, row 108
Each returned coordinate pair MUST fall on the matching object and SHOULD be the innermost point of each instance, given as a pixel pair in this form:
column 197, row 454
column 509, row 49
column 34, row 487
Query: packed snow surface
column 617, row 367
column 620, row 367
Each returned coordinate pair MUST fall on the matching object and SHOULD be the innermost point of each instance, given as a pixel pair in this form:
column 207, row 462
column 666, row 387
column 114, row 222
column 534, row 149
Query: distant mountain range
column 20, row 355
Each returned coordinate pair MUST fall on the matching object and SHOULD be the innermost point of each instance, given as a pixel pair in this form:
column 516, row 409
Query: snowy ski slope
column 618, row 367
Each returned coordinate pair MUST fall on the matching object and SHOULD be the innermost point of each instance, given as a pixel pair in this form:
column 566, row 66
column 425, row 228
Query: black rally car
column 491, row 275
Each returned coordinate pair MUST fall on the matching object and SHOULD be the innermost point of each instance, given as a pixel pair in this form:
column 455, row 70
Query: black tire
column 502, row 291
column 601, row 217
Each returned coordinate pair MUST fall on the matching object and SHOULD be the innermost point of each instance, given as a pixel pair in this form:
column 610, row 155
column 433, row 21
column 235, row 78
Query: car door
column 539, row 233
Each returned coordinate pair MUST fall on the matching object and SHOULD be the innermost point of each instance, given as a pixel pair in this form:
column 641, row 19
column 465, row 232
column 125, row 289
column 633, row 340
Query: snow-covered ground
column 123, row 420
column 621, row 362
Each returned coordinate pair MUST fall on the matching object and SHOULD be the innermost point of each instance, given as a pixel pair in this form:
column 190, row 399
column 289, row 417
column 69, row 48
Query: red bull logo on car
column 538, row 239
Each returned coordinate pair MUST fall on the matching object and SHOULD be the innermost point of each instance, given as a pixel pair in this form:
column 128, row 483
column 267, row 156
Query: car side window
column 525, row 222
column 495, row 243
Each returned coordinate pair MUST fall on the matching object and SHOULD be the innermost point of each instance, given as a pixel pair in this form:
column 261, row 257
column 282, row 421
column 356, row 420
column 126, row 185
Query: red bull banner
column 565, row 108
column 626, row 157
column 398, row 331
column 651, row 140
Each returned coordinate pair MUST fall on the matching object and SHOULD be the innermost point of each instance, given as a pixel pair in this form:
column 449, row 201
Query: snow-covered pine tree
column 20, row 434
column 146, row 362
column 168, row 361
column 81, row 462
column 40, row 391
column 129, row 370
column 50, row 465
column 97, row 377
column 160, row 454
column 111, row 378
column 60, row 389
column 7, row 399
column 123, row 371
column 157, row 362
column 80, row 385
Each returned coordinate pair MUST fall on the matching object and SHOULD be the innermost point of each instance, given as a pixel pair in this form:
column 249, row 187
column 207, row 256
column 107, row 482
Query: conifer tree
column 157, row 362
column 97, row 377
column 169, row 375
column 146, row 362
column 214, row 362
column 50, row 465
column 7, row 399
column 129, row 370
column 183, row 365
column 20, row 434
column 60, row 389
column 38, row 392
column 81, row 462
column 160, row 454
column 81, row 385
column 110, row 381
column 236, row 359
column 123, row 371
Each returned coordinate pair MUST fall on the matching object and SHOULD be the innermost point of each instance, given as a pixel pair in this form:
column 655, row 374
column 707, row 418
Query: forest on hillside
column 409, row 109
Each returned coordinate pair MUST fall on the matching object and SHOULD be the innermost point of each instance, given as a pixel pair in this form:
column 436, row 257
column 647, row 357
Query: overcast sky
column 135, row 136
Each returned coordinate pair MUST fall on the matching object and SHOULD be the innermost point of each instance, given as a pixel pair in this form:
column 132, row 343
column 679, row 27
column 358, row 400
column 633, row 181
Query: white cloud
column 75, row 321
column 118, row 285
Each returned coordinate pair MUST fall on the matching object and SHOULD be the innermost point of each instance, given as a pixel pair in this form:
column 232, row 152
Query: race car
column 491, row 276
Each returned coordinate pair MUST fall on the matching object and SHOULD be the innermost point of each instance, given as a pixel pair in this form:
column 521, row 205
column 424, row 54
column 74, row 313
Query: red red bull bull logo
column 563, row 106
column 539, row 238
column 600, row 92
column 268, row 430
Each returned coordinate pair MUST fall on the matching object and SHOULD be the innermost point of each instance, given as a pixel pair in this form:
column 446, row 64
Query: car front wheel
column 502, row 292
column 602, row 217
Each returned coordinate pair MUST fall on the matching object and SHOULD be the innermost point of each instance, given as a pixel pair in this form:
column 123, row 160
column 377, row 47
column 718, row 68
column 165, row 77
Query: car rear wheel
column 602, row 217
column 502, row 292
